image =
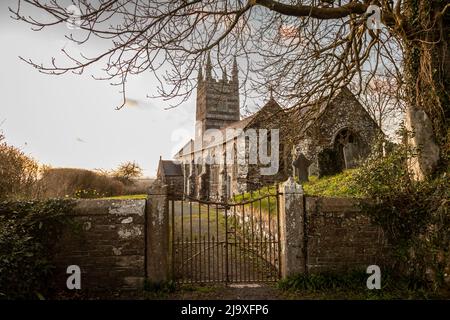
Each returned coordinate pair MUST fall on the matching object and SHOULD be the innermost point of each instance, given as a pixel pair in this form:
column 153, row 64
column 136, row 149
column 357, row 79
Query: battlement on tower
column 217, row 99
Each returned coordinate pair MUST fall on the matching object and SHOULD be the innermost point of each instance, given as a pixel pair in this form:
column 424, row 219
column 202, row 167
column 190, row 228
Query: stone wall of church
column 318, row 144
column 345, row 112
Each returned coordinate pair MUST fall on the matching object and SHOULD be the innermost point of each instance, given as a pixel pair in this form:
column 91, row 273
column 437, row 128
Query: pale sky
column 70, row 120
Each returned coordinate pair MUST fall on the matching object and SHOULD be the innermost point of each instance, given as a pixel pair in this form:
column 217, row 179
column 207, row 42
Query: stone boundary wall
column 332, row 234
column 108, row 244
column 326, row 234
column 120, row 243
column 340, row 237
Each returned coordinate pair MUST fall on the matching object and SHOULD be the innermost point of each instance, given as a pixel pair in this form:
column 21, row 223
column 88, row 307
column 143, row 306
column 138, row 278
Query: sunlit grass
column 127, row 197
column 266, row 203
column 340, row 185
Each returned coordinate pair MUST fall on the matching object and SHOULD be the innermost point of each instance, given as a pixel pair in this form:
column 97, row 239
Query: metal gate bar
column 229, row 242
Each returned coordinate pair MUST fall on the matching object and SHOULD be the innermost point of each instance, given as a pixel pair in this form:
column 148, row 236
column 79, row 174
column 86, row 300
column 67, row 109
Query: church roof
column 268, row 110
column 170, row 168
column 241, row 124
column 307, row 115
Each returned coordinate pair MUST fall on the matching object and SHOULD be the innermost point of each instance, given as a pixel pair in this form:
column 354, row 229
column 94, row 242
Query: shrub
column 28, row 233
column 138, row 186
column 414, row 215
column 78, row 183
column 352, row 284
column 87, row 194
column 353, row 280
column 18, row 172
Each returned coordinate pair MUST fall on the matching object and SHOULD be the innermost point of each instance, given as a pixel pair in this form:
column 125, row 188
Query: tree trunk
column 427, row 70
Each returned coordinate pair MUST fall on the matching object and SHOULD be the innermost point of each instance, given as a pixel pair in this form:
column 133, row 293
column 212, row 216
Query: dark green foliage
column 164, row 286
column 355, row 280
column 159, row 289
column 413, row 214
column 352, row 285
column 28, row 234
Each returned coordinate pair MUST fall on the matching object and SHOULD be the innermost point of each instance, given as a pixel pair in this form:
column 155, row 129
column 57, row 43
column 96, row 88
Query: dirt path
column 230, row 292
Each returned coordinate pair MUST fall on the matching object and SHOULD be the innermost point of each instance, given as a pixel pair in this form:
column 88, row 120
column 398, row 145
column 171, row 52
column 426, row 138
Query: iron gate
column 231, row 241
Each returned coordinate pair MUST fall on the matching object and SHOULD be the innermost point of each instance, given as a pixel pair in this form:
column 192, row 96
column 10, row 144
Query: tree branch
column 313, row 11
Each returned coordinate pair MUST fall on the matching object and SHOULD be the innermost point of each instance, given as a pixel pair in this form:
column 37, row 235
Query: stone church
column 217, row 162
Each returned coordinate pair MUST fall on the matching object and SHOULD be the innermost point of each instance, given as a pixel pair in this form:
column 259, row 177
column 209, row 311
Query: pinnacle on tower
column 235, row 70
column 208, row 67
column 271, row 92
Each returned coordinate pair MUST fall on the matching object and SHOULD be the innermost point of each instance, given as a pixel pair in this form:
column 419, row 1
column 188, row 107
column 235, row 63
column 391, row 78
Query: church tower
column 217, row 99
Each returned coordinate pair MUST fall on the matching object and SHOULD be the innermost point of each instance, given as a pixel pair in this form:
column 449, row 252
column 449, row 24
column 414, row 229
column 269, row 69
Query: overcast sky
column 70, row 120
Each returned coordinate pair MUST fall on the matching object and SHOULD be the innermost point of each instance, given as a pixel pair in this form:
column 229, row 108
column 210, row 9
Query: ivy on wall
column 414, row 215
column 28, row 233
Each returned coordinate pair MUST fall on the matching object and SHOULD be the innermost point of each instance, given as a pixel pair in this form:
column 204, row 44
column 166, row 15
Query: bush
column 28, row 233
column 18, row 172
column 88, row 194
column 138, row 186
column 352, row 284
column 78, row 183
column 354, row 280
column 414, row 215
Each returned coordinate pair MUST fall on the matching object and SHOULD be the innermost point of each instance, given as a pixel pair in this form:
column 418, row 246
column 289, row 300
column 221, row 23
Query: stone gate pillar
column 157, row 234
column 292, row 228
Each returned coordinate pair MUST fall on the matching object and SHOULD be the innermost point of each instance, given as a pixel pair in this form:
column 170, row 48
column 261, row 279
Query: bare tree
column 303, row 50
column 127, row 171
column 384, row 102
